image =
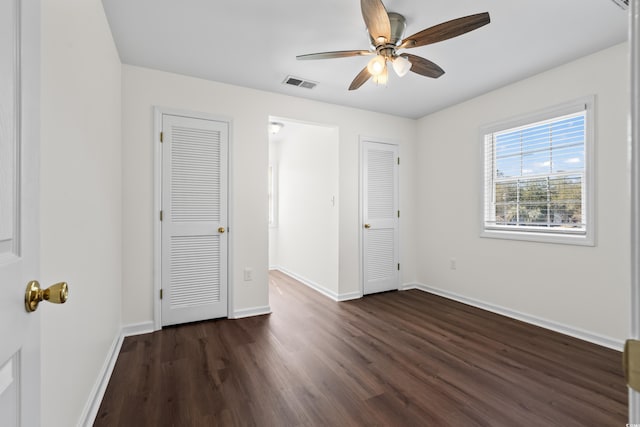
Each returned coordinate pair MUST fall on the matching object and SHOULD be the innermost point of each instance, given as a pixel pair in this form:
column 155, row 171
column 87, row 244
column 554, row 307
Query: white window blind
column 536, row 176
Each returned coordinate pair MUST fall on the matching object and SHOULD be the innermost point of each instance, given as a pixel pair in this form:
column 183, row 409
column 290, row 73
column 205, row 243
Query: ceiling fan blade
column 424, row 67
column 335, row 54
column 446, row 30
column 360, row 79
column 376, row 19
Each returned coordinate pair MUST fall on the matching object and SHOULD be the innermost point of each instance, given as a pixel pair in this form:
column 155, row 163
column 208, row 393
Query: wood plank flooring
column 394, row 359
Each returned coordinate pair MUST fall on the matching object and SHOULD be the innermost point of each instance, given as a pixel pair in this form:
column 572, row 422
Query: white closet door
column 380, row 216
column 194, row 210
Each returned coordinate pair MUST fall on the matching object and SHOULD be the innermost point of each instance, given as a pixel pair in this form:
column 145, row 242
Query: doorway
column 303, row 203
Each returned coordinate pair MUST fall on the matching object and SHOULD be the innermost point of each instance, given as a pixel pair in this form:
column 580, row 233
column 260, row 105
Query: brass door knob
column 367, row 226
column 221, row 230
column 57, row 293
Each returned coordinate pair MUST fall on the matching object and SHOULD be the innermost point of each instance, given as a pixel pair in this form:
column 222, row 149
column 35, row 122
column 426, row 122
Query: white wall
column 584, row 288
column 250, row 110
column 305, row 241
column 80, row 202
column 274, row 153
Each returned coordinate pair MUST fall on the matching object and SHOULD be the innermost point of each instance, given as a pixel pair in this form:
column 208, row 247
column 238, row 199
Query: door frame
column 361, row 154
column 634, row 145
column 158, row 112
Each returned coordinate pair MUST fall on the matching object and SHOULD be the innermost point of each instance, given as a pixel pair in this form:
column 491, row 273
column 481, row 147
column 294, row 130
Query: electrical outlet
column 248, row 274
column 453, row 264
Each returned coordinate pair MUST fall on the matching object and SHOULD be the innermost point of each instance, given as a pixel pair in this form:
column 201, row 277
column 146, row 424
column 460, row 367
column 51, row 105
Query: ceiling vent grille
column 296, row 81
column 624, row 4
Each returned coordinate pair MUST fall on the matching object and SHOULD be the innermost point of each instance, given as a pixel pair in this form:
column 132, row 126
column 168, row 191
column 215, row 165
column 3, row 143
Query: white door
column 194, row 219
column 380, row 220
column 19, row 139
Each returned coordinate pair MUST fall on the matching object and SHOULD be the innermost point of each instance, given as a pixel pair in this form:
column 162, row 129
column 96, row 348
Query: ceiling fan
column 386, row 30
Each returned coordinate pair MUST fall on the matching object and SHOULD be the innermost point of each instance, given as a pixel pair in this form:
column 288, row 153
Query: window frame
column 586, row 104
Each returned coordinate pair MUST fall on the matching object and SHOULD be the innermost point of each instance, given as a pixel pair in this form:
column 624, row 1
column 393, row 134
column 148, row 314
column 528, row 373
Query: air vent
column 296, row 81
column 624, row 4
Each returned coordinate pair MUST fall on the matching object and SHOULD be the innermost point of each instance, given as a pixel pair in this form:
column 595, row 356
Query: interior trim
column 319, row 288
column 249, row 312
column 138, row 328
column 94, row 400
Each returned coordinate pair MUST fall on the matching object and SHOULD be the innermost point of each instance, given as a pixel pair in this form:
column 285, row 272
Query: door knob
column 367, row 226
column 221, row 230
column 57, row 293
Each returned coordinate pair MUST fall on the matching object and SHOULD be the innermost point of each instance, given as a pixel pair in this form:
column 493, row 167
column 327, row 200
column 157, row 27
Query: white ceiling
column 254, row 43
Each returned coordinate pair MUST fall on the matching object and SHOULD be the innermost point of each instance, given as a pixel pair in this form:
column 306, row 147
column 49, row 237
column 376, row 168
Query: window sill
column 529, row 236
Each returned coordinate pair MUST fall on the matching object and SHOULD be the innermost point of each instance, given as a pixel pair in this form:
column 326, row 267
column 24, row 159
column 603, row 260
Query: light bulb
column 377, row 65
column 382, row 78
column 401, row 65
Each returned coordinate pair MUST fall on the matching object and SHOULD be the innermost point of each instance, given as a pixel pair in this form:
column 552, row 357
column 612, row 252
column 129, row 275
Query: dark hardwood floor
column 394, row 359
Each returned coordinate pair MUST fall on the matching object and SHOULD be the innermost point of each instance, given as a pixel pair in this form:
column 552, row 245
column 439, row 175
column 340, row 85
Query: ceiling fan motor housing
column 398, row 25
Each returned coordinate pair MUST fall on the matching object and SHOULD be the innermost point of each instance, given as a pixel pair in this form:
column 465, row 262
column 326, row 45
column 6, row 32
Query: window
column 537, row 176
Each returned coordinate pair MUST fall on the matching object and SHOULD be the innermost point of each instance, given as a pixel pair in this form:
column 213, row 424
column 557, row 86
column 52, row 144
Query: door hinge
column 398, row 266
column 398, row 214
column 160, row 215
column 160, row 293
column 631, row 363
column 161, row 136
column 398, row 160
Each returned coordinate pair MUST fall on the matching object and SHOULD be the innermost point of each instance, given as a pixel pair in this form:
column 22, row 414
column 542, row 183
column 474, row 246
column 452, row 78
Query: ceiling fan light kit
column 377, row 65
column 382, row 78
column 401, row 66
column 386, row 30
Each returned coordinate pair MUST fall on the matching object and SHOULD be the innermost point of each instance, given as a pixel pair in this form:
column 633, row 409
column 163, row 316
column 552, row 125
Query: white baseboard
column 92, row 406
column 138, row 329
column 349, row 296
column 592, row 337
column 319, row 288
column 413, row 285
column 248, row 312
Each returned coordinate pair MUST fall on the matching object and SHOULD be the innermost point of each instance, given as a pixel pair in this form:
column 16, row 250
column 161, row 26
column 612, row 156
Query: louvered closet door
column 380, row 221
column 194, row 204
